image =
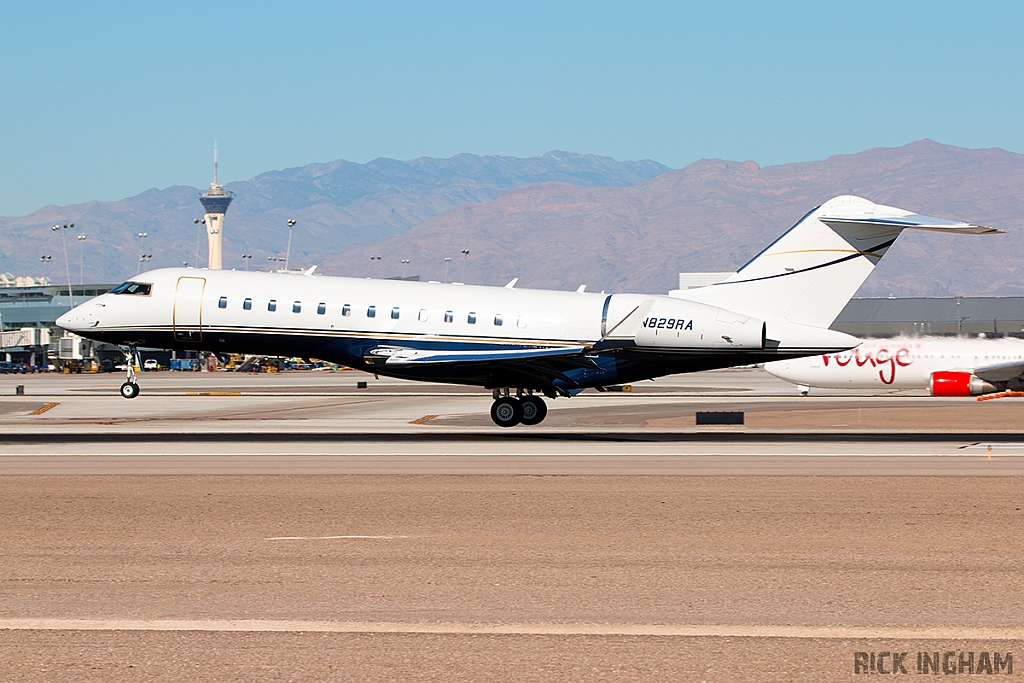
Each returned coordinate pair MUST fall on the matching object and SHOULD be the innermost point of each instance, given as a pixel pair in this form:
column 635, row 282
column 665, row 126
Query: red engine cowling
column 958, row 384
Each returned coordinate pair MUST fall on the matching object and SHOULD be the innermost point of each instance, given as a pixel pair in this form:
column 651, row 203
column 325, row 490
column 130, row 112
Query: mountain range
column 339, row 206
column 560, row 219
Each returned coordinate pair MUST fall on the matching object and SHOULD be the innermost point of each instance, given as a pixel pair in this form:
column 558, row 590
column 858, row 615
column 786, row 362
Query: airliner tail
column 808, row 275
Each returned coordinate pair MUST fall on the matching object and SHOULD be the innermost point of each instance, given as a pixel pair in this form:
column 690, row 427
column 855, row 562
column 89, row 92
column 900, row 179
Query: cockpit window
column 137, row 288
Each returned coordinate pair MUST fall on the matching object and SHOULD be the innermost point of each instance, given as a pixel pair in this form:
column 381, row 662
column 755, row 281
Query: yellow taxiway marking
column 422, row 420
column 682, row 630
column 42, row 410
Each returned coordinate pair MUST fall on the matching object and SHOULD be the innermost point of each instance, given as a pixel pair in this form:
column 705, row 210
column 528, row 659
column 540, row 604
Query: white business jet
column 519, row 343
column 944, row 366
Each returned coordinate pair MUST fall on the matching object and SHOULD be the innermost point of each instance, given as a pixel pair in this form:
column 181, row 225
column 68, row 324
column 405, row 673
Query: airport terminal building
column 29, row 308
column 948, row 315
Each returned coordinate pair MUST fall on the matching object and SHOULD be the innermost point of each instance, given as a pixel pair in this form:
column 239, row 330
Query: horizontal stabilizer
column 911, row 221
column 810, row 273
column 426, row 356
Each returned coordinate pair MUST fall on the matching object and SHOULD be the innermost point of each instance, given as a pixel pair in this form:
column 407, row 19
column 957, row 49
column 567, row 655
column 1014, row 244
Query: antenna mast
column 214, row 162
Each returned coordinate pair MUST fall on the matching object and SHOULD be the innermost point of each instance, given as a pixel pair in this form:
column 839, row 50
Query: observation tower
column 216, row 202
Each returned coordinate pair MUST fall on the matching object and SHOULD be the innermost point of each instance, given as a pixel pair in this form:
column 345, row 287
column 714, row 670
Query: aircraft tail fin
column 808, row 275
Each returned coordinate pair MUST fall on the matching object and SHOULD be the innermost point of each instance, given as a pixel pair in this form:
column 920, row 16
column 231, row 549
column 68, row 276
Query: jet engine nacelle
column 666, row 322
column 958, row 384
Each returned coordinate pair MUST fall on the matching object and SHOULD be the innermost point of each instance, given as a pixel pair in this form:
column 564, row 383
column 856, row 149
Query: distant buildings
column 28, row 314
column 8, row 280
column 37, row 303
column 943, row 315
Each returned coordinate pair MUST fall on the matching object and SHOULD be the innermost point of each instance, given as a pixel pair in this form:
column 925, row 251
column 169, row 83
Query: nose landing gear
column 508, row 411
column 130, row 388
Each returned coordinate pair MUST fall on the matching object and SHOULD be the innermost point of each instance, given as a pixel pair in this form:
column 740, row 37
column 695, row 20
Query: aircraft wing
column 1003, row 372
column 401, row 356
column 543, row 367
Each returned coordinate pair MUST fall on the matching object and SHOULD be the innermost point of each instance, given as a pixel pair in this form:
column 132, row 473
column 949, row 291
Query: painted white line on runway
column 465, row 628
column 610, row 452
column 324, row 538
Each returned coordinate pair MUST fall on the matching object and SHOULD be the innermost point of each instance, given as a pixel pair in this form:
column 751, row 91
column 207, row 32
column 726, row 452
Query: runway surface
column 635, row 577
column 296, row 531
column 315, row 403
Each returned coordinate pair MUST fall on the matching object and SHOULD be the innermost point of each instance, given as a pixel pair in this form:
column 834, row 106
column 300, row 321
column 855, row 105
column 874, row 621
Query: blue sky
column 105, row 100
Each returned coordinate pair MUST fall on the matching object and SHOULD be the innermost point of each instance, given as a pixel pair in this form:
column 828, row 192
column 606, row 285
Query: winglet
column 512, row 283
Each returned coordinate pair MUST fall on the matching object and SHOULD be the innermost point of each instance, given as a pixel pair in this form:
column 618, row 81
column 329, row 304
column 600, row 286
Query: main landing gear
column 508, row 411
column 130, row 388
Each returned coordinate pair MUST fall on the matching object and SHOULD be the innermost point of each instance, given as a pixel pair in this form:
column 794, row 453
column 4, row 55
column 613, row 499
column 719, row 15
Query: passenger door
column 188, row 309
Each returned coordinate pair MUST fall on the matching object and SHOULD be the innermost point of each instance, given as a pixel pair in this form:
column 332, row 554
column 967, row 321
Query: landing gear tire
column 506, row 412
column 130, row 388
column 534, row 410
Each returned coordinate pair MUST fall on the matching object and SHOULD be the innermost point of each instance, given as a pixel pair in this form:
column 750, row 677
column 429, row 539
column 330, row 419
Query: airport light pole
column 405, row 263
column 465, row 257
column 447, row 260
column 274, row 259
column 288, row 251
column 376, row 258
column 61, row 229
column 246, row 258
column 960, row 318
column 81, row 261
column 142, row 244
column 45, row 259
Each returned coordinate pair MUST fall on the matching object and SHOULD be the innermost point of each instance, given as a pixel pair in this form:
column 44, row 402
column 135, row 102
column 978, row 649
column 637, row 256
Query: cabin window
column 471, row 318
column 497, row 320
column 422, row 317
column 346, row 310
column 297, row 307
column 272, row 305
column 321, row 308
column 521, row 322
column 448, row 317
column 247, row 304
column 394, row 313
column 222, row 302
column 371, row 312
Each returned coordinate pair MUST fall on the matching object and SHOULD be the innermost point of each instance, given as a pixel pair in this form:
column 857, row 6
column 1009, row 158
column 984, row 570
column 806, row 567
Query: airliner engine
column 958, row 384
column 667, row 323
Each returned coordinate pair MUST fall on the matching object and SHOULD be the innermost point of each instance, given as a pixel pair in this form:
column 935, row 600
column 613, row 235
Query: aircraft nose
column 778, row 368
column 74, row 320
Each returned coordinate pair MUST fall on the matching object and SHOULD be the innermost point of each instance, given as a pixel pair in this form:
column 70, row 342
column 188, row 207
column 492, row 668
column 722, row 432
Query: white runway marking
column 679, row 630
column 321, row 538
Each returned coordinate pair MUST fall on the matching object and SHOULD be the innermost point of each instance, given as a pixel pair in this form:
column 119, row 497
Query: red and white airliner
column 949, row 366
